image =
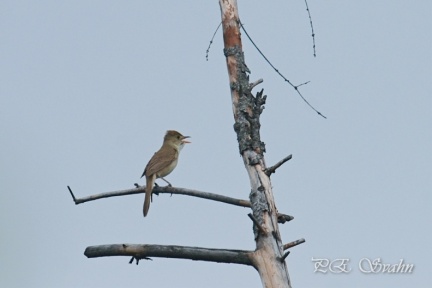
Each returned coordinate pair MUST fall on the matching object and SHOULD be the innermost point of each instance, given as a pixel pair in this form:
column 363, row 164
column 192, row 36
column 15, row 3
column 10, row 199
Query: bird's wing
column 157, row 162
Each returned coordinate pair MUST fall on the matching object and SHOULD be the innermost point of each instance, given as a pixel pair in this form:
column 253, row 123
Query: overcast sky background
column 88, row 89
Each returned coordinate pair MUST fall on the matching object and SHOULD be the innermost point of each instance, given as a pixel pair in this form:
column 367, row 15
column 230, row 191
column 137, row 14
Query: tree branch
column 162, row 190
column 171, row 251
column 282, row 218
column 282, row 259
column 273, row 168
column 252, row 85
column 294, row 243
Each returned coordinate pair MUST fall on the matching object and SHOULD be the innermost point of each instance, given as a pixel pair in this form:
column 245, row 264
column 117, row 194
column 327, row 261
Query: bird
column 162, row 163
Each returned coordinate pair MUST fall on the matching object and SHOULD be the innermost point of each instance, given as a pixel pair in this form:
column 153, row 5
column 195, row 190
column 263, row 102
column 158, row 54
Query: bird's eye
column 178, row 137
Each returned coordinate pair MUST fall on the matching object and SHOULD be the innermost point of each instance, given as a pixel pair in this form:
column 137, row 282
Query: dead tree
column 269, row 256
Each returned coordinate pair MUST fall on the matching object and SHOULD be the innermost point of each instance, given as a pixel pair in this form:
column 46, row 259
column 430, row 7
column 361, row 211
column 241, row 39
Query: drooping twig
column 273, row 168
column 280, row 74
column 294, row 243
column 171, row 251
column 138, row 259
column 313, row 33
column 211, row 41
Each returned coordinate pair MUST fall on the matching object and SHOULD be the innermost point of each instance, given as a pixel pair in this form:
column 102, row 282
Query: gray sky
column 88, row 89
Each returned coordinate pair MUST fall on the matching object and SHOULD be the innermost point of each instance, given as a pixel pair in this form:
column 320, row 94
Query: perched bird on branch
column 162, row 163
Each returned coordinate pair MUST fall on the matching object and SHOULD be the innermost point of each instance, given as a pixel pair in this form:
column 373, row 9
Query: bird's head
column 175, row 138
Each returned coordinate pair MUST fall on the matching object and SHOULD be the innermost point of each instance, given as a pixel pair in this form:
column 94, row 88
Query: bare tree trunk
column 268, row 258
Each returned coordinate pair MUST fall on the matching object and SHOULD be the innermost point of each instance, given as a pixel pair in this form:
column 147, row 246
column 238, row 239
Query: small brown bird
column 162, row 163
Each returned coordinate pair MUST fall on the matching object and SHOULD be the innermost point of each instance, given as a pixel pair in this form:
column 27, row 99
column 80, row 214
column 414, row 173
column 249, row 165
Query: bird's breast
column 167, row 170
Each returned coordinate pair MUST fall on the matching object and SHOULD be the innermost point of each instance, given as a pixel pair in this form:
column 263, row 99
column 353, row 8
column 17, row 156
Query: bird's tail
column 149, row 188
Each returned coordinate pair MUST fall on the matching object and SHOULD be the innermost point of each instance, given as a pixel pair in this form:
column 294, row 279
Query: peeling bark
column 268, row 258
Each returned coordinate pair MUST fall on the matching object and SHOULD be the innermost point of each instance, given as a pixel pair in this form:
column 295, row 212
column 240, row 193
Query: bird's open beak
column 184, row 139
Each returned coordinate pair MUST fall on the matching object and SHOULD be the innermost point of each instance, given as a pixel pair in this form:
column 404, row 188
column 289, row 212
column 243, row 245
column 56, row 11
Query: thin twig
column 273, row 168
column 294, row 243
column 280, row 74
column 313, row 33
column 211, row 41
column 73, row 196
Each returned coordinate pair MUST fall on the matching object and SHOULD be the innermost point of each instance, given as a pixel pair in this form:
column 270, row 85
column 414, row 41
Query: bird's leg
column 169, row 184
